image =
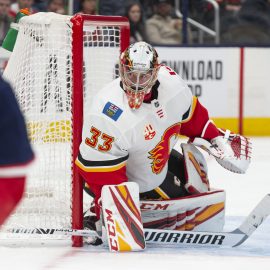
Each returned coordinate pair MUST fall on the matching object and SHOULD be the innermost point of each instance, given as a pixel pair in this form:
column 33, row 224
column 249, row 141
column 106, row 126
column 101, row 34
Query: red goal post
column 78, row 21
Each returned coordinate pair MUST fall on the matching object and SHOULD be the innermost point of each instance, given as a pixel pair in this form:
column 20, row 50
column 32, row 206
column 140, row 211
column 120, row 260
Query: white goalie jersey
column 120, row 144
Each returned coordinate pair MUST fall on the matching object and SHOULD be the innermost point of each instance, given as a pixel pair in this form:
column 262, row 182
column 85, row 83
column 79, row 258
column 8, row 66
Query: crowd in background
column 157, row 22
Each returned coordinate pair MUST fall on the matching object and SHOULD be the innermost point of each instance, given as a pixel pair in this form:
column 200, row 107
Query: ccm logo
column 153, row 206
column 111, row 230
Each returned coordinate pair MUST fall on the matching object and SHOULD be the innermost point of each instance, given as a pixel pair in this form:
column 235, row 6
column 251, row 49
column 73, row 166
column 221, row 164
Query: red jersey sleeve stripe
column 194, row 125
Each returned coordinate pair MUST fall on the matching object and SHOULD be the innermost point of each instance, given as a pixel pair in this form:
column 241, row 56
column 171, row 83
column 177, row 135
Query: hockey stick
column 181, row 238
column 233, row 238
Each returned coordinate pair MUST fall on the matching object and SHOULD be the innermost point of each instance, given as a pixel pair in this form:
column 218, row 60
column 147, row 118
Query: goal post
column 59, row 62
column 78, row 21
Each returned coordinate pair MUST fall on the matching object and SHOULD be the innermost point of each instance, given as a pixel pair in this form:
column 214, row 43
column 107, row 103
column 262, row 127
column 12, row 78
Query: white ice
column 243, row 193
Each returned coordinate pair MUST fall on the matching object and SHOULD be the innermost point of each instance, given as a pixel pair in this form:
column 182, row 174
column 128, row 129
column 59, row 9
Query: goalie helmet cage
column 57, row 64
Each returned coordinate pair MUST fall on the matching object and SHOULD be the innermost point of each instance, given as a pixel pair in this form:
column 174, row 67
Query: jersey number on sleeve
column 97, row 135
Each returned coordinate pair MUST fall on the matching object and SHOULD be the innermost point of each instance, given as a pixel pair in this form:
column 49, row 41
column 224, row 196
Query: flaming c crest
column 160, row 154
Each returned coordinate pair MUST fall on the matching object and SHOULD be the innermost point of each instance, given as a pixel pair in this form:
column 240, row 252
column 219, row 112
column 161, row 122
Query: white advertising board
column 211, row 73
column 257, row 82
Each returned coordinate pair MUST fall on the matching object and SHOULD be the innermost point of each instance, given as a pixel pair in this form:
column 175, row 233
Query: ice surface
column 243, row 193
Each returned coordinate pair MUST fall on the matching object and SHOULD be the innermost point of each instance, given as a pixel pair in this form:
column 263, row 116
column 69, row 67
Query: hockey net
column 57, row 64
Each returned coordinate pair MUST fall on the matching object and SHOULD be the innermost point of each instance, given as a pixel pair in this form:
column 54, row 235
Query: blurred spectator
column 161, row 28
column 57, row 6
column 203, row 11
column 137, row 27
column 88, row 7
column 112, row 7
column 260, row 6
column 40, row 5
column 20, row 4
column 251, row 25
column 233, row 5
column 147, row 7
column 5, row 20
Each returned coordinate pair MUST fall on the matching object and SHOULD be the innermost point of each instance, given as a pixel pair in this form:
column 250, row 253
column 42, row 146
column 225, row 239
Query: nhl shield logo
column 149, row 132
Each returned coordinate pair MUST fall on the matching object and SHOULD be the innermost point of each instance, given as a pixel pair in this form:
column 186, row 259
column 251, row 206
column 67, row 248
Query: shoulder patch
column 112, row 111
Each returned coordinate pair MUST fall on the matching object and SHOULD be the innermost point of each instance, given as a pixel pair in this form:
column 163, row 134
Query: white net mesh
column 40, row 71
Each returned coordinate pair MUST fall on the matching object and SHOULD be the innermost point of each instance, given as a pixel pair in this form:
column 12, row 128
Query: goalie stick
column 181, row 238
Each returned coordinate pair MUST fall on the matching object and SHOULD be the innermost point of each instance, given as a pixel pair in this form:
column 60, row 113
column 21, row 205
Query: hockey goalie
column 127, row 158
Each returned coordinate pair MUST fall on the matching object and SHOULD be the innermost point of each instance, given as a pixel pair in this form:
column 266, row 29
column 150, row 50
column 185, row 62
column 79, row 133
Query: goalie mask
column 138, row 71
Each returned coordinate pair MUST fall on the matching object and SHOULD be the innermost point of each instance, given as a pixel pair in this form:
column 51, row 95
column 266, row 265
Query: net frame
column 77, row 62
column 77, row 24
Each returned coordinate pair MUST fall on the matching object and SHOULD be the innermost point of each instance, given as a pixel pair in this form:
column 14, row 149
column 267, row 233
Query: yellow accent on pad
column 183, row 228
column 196, row 164
column 118, row 229
column 98, row 169
column 209, row 212
column 189, row 226
column 198, row 169
column 123, row 191
column 162, row 194
column 123, row 245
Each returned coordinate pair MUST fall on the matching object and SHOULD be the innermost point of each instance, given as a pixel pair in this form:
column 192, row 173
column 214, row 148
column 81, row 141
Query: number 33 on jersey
column 118, row 142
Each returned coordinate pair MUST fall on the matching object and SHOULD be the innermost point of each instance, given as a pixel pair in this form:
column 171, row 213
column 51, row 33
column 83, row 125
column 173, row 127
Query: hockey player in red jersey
column 15, row 152
column 129, row 133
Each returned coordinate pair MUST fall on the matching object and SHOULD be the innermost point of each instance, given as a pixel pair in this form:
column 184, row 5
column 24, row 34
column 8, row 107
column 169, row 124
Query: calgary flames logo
column 160, row 154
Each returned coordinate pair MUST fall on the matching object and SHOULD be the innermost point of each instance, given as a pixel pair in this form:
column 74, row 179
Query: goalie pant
column 16, row 153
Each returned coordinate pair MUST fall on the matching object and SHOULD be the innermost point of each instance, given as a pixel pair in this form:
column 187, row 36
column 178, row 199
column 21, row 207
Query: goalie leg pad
column 196, row 170
column 122, row 217
column 202, row 212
